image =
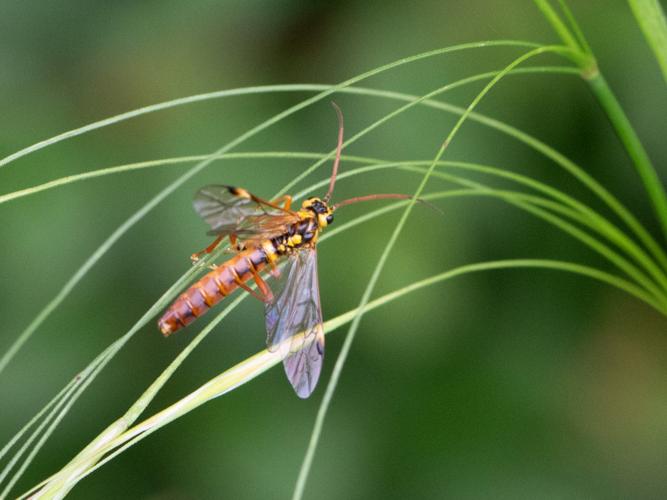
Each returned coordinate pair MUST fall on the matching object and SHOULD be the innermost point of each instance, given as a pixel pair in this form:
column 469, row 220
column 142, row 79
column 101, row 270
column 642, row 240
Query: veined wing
column 230, row 210
column 294, row 321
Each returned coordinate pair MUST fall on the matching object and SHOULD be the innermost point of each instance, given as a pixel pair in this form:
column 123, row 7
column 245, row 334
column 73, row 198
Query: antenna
column 339, row 147
column 383, row 196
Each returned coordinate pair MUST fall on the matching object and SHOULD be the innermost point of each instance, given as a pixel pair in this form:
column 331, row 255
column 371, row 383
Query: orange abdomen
column 211, row 289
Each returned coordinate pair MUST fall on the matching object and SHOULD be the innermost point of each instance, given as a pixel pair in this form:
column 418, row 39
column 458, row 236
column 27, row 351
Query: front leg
column 195, row 256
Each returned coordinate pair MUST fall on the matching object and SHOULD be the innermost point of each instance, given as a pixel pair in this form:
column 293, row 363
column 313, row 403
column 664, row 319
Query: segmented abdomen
column 211, row 289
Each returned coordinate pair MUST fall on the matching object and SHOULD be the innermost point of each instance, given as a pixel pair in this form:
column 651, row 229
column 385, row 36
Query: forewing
column 294, row 322
column 227, row 212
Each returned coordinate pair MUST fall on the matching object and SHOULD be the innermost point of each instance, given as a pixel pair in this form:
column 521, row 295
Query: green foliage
column 639, row 260
column 651, row 19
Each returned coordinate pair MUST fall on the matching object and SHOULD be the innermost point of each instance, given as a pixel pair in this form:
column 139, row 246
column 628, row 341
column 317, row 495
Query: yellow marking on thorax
column 305, row 214
column 294, row 240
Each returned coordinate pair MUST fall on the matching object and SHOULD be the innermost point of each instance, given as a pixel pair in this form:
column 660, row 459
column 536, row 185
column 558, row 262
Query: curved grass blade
column 244, row 91
column 511, row 197
column 569, row 166
column 259, row 363
column 652, row 21
column 265, row 124
column 92, row 450
column 342, row 357
column 252, row 90
column 123, row 228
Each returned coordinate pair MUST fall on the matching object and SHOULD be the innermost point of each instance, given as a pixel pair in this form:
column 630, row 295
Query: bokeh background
column 510, row 384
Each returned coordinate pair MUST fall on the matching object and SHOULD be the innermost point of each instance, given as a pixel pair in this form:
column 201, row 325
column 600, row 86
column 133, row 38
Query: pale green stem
column 248, row 90
column 123, row 228
column 340, row 362
column 259, row 363
column 626, row 133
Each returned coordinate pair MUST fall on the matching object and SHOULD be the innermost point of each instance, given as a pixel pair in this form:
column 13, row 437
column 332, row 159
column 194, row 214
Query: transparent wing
column 294, row 322
column 230, row 210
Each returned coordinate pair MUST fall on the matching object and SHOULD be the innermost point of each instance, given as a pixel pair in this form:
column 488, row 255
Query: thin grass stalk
column 259, row 363
column 368, row 129
column 479, row 168
column 50, row 419
column 652, row 21
column 347, row 344
column 631, row 289
column 554, row 155
column 114, row 429
column 635, row 149
column 590, row 218
column 84, row 458
column 615, row 113
column 608, row 229
column 160, row 381
column 56, row 403
column 93, row 449
column 22, row 339
column 84, row 379
column 249, row 90
column 558, row 25
column 15, row 439
column 574, row 26
column 91, row 261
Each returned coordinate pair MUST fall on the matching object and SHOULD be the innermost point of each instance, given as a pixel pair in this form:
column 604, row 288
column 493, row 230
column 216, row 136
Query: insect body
column 251, row 259
column 262, row 233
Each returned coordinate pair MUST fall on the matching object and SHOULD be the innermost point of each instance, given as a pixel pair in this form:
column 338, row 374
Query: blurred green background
column 511, row 384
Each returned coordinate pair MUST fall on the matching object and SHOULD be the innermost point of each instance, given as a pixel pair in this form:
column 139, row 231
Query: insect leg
column 234, row 245
column 267, row 295
column 195, row 256
column 287, row 199
column 264, row 288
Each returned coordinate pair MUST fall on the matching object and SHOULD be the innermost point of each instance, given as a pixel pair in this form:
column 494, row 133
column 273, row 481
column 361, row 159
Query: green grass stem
column 347, row 344
column 259, row 363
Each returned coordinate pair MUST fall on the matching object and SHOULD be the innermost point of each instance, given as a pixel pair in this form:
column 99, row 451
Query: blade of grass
column 244, row 91
column 615, row 112
column 86, row 377
column 507, row 195
column 204, row 163
column 651, row 20
column 32, row 327
column 579, row 35
column 149, row 394
column 626, row 133
column 368, row 129
column 28, row 442
column 259, row 363
column 104, row 438
column 561, row 160
column 16, row 437
column 342, row 357
column 546, row 49
column 268, row 89
column 137, row 216
column 549, row 152
column 610, row 231
column 558, row 25
column 582, row 214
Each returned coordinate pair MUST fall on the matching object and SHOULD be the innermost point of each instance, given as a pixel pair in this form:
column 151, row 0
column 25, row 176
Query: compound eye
column 329, row 218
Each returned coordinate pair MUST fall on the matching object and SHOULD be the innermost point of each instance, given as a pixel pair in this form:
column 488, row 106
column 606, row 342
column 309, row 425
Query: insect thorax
column 299, row 235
